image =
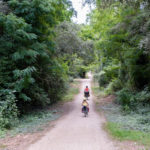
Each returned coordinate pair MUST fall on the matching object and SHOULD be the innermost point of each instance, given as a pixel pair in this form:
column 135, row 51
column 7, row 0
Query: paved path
column 75, row 132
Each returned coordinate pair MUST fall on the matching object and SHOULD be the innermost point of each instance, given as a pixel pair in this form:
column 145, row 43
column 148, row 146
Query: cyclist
column 86, row 92
column 85, row 105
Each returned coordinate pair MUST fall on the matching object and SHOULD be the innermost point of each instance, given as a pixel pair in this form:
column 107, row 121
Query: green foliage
column 8, row 109
column 72, row 91
column 75, row 65
column 125, row 98
column 121, row 37
column 103, row 79
column 115, row 85
column 121, row 134
column 39, row 50
column 120, row 31
column 129, row 100
column 143, row 96
column 31, row 75
column 112, row 87
column 76, row 52
column 108, row 74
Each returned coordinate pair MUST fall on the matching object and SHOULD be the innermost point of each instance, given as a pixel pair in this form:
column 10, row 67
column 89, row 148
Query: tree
column 30, row 76
column 71, row 46
column 121, row 37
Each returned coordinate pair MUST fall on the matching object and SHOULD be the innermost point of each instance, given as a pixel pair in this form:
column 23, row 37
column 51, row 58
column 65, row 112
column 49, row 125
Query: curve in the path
column 75, row 132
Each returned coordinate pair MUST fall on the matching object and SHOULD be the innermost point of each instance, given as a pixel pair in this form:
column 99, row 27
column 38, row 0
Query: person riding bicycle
column 86, row 92
column 85, row 105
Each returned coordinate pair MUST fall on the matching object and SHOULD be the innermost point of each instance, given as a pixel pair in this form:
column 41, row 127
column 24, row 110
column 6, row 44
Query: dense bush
column 8, row 109
column 131, row 100
column 126, row 98
column 116, row 85
column 108, row 74
column 103, row 79
column 112, row 87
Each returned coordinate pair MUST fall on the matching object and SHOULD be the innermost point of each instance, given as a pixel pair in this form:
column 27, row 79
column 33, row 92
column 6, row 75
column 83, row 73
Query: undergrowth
column 30, row 123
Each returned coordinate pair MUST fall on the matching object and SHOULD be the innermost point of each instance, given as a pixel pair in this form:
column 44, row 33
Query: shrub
column 116, row 85
column 126, row 98
column 143, row 96
column 103, row 79
column 131, row 99
column 113, row 86
column 8, row 109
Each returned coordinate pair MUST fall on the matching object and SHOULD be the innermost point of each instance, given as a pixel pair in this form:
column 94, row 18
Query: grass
column 35, row 121
column 72, row 91
column 121, row 134
column 130, row 126
column 30, row 123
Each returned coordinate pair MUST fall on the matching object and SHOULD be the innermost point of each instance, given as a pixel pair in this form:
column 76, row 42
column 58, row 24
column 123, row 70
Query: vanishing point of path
column 75, row 132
